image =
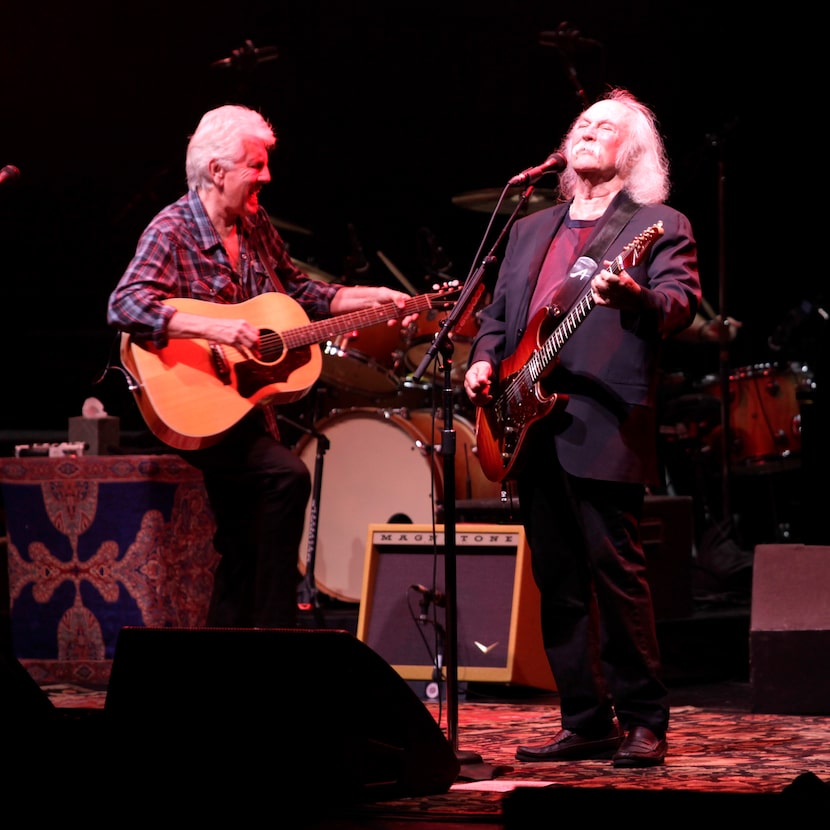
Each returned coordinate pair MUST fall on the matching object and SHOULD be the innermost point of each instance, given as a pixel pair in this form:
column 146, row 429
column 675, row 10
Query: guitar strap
column 270, row 271
column 601, row 241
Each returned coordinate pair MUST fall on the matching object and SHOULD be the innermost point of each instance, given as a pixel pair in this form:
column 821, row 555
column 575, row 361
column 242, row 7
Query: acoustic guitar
column 193, row 391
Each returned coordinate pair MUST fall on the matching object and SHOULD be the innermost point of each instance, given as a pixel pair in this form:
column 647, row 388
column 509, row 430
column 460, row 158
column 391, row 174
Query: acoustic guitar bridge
column 223, row 370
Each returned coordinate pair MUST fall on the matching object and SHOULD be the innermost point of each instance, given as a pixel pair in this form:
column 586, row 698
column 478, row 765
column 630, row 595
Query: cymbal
column 313, row 271
column 284, row 225
column 486, row 200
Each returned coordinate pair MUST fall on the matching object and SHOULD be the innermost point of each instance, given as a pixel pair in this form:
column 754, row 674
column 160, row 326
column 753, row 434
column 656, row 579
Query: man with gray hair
column 217, row 245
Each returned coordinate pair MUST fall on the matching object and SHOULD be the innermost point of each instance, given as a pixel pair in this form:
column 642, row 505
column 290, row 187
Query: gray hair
column 220, row 136
column 642, row 161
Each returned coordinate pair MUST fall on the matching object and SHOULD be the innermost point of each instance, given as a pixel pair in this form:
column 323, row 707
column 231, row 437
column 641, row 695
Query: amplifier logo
column 467, row 538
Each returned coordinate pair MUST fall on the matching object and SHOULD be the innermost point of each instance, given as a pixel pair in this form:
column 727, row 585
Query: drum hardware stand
column 443, row 345
column 308, row 598
column 440, row 639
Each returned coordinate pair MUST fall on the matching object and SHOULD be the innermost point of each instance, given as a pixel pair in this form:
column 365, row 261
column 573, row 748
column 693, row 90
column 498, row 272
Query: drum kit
column 382, row 461
column 749, row 472
column 764, row 420
column 764, row 414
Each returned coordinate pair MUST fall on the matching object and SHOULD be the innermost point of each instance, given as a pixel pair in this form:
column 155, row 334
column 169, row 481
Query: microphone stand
column 308, row 597
column 441, row 343
column 726, row 427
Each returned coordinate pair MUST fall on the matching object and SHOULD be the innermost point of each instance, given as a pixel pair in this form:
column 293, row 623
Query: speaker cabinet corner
column 789, row 639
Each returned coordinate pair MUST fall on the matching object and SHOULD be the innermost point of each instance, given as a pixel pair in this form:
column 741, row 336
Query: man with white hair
column 566, row 411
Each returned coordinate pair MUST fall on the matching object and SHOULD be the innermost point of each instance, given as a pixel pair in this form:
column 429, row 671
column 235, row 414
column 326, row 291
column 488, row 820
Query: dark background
column 384, row 113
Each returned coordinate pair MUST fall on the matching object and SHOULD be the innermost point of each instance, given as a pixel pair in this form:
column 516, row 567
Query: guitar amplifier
column 497, row 603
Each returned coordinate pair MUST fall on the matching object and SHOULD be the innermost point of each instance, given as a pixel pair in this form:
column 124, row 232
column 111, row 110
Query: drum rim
column 757, row 370
column 365, row 360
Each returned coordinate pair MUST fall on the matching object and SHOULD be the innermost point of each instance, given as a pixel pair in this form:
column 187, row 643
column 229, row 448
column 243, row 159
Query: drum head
column 379, row 469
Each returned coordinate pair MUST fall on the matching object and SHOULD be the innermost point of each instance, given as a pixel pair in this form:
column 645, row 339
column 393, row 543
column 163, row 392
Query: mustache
column 592, row 149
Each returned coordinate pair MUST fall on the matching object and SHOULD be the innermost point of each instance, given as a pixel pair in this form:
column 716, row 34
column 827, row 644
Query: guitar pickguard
column 252, row 376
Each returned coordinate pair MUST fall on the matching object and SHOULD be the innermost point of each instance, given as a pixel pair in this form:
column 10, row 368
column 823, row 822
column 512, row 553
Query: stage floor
column 721, row 755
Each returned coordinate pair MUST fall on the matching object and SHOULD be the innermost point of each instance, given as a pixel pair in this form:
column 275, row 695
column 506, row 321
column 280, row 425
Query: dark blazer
column 608, row 367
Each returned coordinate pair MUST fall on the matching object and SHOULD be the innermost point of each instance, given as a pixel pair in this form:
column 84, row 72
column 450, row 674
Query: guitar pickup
column 509, row 444
column 220, row 365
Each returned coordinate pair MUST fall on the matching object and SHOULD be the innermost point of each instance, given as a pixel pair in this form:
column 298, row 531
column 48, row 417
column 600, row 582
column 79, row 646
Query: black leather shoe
column 641, row 748
column 571, row 746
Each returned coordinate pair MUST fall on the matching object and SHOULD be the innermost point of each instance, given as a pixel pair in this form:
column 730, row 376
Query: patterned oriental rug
column 719, row 751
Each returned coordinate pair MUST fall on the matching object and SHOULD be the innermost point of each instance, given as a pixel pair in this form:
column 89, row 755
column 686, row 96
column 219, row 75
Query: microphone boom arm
column 469, row 291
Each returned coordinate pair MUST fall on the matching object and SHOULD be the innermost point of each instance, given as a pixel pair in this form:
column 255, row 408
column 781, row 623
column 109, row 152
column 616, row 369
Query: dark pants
column 597, row 617
column 258, row 490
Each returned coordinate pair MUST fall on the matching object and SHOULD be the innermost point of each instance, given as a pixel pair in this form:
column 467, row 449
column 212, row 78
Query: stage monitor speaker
column 313, row 715
column 522, row 806
column 22, row 702
column 497, row 603
column 789, row 638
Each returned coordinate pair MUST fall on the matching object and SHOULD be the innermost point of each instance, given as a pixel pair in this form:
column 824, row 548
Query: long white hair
column 642, row 160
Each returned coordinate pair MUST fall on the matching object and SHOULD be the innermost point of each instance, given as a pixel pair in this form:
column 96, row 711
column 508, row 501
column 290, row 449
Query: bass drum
column 380, row 468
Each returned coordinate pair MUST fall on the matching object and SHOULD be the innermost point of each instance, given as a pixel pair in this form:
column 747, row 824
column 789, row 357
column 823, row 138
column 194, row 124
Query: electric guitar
column 193, row 390
column 520, row 401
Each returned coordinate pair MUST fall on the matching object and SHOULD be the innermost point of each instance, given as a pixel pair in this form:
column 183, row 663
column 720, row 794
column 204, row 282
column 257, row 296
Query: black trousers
column 258, row 491
column 597, row 616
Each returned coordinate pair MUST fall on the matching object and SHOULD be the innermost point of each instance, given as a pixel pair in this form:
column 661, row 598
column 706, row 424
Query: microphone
column 554, row 163
column 567, row 37
column 436, row 597
column 9, row 173
column 247, row 57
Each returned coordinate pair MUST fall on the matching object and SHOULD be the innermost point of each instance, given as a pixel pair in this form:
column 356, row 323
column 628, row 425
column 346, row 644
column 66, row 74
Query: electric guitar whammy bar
column 193, row 391
column 502, row 426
